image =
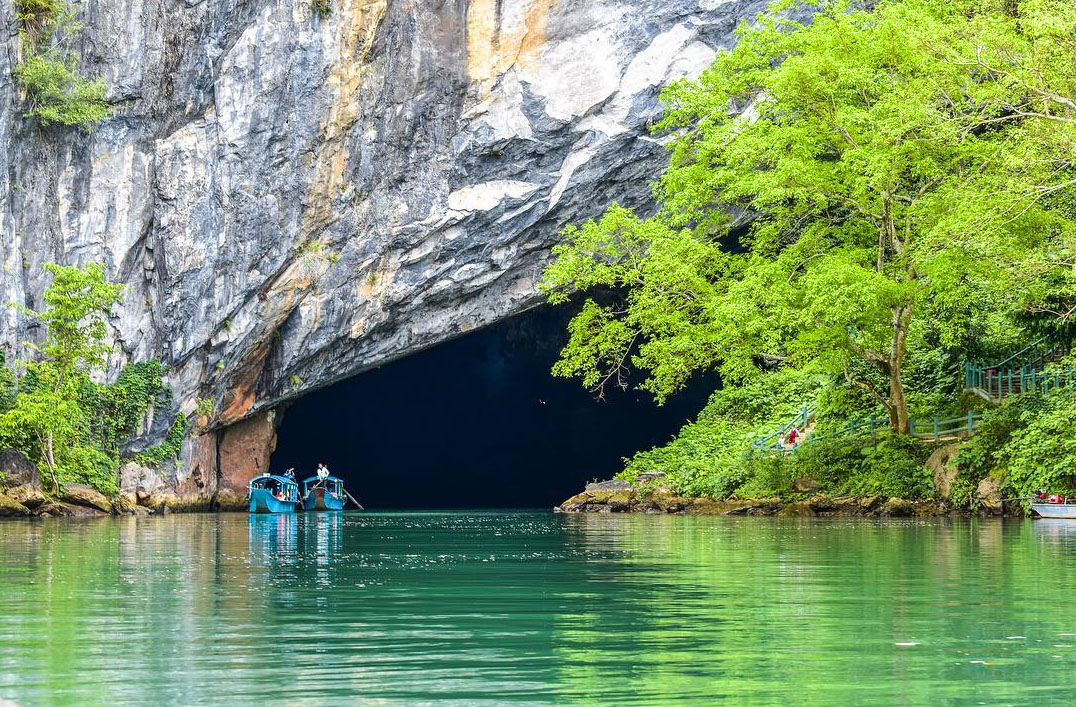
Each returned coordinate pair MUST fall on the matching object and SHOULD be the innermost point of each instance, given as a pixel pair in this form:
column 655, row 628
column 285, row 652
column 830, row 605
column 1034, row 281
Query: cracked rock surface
column 292, row 199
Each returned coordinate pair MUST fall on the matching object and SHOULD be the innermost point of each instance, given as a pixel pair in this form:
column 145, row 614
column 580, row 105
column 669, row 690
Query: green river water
column 504, row 608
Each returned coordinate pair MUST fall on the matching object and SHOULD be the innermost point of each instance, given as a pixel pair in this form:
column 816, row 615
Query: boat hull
column 263, row 501
column 1055, row 510
column 318, row 500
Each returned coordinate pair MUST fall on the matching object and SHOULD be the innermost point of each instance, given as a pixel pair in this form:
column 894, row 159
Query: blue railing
column 936, row 429
column 998, row 383
column 1026, row 371
column 776, row 441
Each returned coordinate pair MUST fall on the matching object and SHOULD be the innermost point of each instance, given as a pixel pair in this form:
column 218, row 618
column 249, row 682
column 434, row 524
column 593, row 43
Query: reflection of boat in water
column 272, row 494
column 324, row 493
column 273, row 538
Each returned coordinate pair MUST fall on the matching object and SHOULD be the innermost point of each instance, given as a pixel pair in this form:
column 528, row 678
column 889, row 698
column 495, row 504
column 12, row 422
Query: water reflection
column 512, row 608
column 273, row 538
column 1059, row 532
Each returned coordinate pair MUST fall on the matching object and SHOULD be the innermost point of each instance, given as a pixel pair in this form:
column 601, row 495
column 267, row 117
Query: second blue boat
column 323, row 494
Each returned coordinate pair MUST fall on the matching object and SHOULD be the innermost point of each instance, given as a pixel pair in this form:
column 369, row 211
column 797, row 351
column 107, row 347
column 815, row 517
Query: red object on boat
column 1055, row 498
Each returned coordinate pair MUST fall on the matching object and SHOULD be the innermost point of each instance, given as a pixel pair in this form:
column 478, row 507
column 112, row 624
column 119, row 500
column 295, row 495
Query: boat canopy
column 266, row 480
column 313, row 479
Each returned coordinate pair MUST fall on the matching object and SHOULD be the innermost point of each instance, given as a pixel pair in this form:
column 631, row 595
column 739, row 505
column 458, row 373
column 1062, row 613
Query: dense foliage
column 55, row 413
column 48, row 74
column 861, row 203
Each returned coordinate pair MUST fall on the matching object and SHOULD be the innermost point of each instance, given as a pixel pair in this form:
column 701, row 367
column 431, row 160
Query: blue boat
column 272, row 494
column 324, row 494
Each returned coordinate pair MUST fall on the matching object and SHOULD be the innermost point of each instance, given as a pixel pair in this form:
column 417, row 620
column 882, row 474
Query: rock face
column 942, row 463
column 989, row 492
column 611, row 485
column 17, row 470
column 292, row 199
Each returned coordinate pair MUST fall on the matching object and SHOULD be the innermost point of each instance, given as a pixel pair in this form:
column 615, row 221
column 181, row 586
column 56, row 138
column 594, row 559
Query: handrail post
column 937, row 435
column 971, row 422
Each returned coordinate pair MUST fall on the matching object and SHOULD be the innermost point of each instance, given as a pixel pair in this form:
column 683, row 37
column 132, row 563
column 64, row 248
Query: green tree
column 833, row 187
column 47, row 417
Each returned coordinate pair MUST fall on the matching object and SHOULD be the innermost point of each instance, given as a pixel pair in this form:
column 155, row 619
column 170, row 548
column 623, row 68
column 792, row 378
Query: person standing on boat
column 323, row 472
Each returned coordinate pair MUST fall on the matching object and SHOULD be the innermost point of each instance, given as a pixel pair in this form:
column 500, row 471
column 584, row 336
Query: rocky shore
column 142, row 491
column 649, row 495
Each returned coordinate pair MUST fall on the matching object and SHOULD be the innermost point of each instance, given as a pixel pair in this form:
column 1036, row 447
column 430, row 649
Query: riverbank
column 24, row 494
column 618, row 496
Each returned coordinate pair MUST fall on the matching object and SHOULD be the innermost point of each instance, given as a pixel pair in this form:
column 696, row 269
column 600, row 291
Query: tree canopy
column 55, row 413
column 843, row 194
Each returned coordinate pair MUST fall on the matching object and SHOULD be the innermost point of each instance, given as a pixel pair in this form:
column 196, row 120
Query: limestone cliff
column 292, row 198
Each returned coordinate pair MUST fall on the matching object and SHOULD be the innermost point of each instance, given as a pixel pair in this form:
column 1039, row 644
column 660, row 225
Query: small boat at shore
column 1052, row 505
column 272, row 494
column 1055, row 510
column 324, row 493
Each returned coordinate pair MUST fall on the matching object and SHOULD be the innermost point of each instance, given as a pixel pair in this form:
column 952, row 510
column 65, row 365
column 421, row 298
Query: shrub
column 54, row 89
column 36, row 14
column 986, row 452
column 322, row 8
column 170, row 448
column 1043, row 454
column 845, row 465
column 711, row 456
column 9, row 385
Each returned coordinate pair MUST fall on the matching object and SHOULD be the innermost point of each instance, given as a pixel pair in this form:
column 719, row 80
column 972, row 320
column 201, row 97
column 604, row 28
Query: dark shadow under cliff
column 477, row 422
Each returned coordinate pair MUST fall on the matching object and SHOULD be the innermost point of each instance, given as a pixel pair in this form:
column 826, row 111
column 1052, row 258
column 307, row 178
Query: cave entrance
column 476, row 422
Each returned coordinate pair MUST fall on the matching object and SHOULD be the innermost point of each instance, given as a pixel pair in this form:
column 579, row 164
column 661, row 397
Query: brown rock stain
column 492, row 49
column 355, row 24
column 245, row 451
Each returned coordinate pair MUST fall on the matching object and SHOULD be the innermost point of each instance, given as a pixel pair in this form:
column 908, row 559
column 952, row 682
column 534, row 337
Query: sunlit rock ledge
column 652, row 495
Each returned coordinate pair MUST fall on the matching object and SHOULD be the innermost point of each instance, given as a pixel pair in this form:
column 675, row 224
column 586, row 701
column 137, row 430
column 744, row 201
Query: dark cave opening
column 476, row 422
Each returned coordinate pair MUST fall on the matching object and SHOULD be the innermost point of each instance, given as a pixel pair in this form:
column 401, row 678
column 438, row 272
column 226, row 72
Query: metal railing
column 776, row 441
column 1026, row 371
column 1001, row 383
column 936, row 429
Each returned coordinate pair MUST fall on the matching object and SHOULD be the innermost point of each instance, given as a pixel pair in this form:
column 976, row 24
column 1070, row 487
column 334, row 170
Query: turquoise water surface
column 502, row 608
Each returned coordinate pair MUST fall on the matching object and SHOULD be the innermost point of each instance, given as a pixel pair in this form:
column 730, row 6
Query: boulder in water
column 28, row 496
column 897, row 507
column 9, row 507
column 86, row 496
